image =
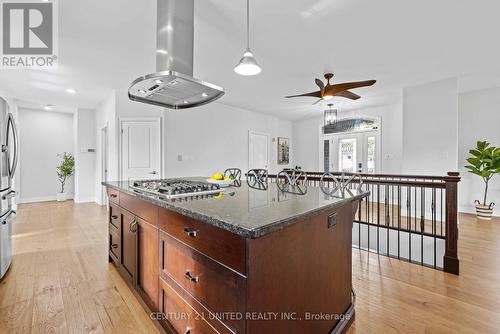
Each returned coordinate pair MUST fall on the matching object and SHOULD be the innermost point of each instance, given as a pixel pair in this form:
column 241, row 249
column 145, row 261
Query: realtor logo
column 29, row 31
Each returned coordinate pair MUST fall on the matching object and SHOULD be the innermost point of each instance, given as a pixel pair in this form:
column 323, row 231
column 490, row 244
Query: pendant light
column 248, row 64
column 330, row 116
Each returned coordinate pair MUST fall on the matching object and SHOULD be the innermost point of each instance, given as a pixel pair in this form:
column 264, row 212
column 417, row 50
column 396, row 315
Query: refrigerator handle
column 12, row 125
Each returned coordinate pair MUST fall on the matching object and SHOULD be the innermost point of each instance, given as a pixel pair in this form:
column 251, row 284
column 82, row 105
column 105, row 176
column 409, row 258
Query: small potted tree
column 484, row 162
column 64, row 171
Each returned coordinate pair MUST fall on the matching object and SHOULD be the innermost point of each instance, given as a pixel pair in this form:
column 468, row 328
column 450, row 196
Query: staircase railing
column 409, row 217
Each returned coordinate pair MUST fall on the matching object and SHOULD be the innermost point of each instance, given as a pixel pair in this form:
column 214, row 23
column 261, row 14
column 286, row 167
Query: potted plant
column 64, row 171
column 484, row 162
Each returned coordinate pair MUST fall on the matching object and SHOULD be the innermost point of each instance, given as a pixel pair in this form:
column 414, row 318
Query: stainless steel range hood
column 173, row 85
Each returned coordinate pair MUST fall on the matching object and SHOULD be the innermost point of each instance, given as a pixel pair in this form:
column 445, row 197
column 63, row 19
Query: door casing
column 377, row 133
column 122, row 121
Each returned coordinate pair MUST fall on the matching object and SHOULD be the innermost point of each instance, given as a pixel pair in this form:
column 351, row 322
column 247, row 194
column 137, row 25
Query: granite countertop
column 251, row 212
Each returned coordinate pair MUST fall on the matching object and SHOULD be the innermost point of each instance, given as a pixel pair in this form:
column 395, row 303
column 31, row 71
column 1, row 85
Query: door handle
column 133, row 226
column 153, row 172
column 8, row 195
column 12, row 125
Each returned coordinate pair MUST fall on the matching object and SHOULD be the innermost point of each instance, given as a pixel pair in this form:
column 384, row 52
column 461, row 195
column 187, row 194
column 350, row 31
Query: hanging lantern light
column 330, row 116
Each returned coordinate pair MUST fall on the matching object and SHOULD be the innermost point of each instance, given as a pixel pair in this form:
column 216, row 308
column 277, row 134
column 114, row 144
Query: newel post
column 451, row 262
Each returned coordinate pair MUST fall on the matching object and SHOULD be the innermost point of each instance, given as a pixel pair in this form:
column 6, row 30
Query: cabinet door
column 129, row 245
column 147, row 258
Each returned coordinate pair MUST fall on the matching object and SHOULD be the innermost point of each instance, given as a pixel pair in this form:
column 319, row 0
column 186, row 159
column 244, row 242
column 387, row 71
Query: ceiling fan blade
column 349, row 95
column 312, row 94
column 321, row 86
column 334, row 89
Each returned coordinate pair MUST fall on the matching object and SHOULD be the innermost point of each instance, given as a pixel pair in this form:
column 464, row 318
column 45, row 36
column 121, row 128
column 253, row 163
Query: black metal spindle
column 399, row 221
column 378, row 218
column 422, row 224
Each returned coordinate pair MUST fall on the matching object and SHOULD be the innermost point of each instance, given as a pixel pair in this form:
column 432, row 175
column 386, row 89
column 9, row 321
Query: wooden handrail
column 425, row 184
column 394, row 176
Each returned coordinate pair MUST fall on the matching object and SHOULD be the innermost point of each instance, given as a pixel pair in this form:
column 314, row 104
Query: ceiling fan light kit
column 248, row 65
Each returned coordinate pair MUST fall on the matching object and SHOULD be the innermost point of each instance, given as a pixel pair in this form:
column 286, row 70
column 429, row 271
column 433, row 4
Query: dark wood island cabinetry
column 244, row 262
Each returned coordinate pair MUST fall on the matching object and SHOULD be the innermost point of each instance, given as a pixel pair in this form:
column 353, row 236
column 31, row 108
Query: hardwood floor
column 60, row 281
column 398, row 297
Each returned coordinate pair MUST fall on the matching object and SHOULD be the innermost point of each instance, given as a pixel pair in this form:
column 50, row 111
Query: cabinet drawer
column 113, row 195
column 114, row 244
column 218, row 288
column 182, row 317
column 114, row 215
column 223, row 246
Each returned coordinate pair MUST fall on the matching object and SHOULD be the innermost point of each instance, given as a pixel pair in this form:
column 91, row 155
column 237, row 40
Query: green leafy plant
column 484, row 162
column 66, row 169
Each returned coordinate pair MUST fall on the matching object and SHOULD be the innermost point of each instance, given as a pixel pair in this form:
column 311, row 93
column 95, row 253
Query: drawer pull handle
column 114, row 217
column 114, row 246
column 113, row 196
column 187, row 275
column 190, row 233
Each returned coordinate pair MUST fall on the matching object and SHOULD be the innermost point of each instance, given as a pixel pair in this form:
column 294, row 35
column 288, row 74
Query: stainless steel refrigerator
column 9, row 149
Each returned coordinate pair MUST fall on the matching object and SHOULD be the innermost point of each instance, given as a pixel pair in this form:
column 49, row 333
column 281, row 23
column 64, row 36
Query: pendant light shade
column 248, row 65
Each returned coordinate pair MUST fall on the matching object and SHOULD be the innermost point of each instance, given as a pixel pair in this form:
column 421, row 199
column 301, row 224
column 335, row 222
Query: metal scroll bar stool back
column 258, row 175
column 292, row 177
column 235, row 173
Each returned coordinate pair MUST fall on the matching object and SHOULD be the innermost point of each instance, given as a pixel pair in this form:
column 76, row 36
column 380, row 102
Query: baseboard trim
column 472, row 209
column 84, row 199
column 41, row 199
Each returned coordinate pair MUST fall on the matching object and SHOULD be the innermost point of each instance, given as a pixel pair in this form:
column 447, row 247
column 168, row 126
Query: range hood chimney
column 173, row 85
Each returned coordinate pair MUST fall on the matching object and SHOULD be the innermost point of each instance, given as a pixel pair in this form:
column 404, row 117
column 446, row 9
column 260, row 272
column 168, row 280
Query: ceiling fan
column 328, row 91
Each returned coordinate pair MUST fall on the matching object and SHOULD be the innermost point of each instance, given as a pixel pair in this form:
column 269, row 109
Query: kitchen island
column 255, row 260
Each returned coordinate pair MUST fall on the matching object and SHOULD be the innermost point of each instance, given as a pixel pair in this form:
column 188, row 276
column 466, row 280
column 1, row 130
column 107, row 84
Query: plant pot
column 61, row 197
column 484, row 212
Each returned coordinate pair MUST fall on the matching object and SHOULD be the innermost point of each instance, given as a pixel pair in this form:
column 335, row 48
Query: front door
column 141, row 153
column 352, row 153
column 258, row 151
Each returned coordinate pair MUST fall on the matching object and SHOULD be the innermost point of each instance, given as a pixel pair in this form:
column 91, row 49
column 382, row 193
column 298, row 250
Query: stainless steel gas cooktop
column 176, row 188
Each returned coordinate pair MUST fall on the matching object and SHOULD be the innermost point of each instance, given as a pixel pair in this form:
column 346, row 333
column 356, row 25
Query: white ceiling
column 106, row 44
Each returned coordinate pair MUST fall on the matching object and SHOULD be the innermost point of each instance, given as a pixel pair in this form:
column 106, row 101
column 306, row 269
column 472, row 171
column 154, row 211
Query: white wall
column 42, row 136
column 306, row 138
column 479, row 119
column 210, row 138
column 84, row 160
column 215, row 137
column 430, row 128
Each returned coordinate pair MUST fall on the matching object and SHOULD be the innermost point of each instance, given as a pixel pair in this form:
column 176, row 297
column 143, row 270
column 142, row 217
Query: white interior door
column 354, row 152
column 141, row 150
column 258, row 150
